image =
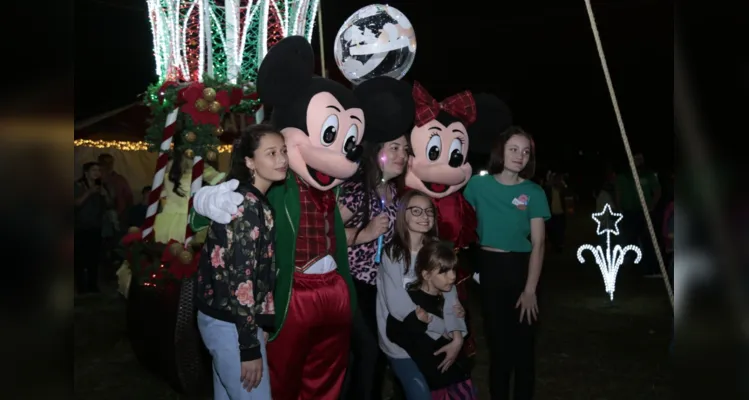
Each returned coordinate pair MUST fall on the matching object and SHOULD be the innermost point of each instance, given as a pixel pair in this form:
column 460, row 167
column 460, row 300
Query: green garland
column 162, row 101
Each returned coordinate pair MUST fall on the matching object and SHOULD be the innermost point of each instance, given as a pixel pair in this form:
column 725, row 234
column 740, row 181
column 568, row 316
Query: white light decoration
column 223, row 39
column 483, row 172
column 610, row 260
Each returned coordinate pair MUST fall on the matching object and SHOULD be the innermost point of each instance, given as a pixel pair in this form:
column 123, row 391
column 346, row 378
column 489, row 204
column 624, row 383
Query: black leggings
column 366, row 370
column 87, row 257
column 511, row 343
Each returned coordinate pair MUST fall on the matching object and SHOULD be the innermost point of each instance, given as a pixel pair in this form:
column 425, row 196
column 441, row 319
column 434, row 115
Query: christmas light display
column 222, row 39
column 129, row 146
column 610, row 260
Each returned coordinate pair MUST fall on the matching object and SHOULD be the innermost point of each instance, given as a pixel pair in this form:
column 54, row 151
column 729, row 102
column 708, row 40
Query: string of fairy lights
column 124, row 145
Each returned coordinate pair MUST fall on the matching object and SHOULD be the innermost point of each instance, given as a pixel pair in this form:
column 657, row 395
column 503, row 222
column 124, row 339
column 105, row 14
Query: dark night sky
column 540, row 58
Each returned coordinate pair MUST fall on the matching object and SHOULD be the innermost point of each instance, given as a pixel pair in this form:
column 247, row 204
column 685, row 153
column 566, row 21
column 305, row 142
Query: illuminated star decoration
column 610, row 260
column 597, row 217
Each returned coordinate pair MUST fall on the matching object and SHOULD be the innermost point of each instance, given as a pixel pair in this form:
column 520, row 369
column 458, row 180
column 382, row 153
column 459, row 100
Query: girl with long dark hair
column 237, row 275
column 368, row 205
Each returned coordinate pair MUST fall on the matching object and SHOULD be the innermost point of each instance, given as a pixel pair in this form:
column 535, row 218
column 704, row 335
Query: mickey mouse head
column 323, row 121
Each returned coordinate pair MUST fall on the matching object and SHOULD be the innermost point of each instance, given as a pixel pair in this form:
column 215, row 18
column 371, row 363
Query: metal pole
column 321, row 38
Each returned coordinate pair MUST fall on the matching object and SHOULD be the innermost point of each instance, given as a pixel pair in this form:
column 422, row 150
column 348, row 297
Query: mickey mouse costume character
column 323, row 123
column 438, row 167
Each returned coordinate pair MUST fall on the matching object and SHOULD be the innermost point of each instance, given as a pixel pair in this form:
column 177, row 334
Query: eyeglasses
column 417, row 211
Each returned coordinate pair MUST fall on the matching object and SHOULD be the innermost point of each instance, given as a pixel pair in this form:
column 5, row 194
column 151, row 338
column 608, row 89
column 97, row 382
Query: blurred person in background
column 559, row 198
column 115, row 217
column 634, row 224
column 606, row 195
column 91, row 199
column 123, row 196
column 136, row 215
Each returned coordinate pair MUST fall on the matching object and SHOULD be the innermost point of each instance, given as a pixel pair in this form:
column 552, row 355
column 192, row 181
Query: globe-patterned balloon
column 376, row 40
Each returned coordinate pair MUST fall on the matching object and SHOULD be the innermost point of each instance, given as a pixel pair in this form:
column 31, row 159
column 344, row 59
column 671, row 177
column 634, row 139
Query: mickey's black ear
column 286, row 71
column 492, row 118
column 388, row 108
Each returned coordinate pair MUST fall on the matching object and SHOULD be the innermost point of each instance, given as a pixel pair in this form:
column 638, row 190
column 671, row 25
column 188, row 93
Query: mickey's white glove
column 476, row 277
column 218, row 203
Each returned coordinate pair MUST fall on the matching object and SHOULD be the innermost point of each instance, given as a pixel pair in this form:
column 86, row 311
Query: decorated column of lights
column 207, row 54
column 223, row 39
column 609, row 260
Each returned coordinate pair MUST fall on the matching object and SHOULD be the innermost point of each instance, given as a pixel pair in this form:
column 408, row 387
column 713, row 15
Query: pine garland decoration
column 161, row 99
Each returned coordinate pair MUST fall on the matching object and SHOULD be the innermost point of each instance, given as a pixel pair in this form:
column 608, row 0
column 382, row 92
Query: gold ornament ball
column 190, row 136
column 211, row 155
column 189, row 153
column 219, row 131
column 209, row 94
column 215, row 107
column 201, row 105
column 175, row 248
column 185, row 257
column 133, row 229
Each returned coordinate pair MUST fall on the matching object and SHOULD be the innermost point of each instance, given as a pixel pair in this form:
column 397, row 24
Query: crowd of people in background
column 104, row 209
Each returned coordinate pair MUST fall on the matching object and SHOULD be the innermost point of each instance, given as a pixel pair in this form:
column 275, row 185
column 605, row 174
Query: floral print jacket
column 236, row 274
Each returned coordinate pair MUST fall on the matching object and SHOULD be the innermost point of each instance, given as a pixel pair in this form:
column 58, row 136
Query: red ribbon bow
column 461, row 106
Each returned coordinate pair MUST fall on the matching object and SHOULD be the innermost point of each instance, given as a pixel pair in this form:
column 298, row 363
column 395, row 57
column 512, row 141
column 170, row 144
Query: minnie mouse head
column 440, row 138
column 323, row 121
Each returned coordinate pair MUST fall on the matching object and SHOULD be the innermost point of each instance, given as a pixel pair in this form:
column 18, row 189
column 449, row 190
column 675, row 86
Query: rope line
column 628, row 150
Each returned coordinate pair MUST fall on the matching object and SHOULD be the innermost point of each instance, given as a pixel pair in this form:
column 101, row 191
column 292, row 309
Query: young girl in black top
column 236, row 275
column 435, row 274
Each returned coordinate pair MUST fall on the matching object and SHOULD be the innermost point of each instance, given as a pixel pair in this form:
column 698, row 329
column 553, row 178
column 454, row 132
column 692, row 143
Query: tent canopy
column 127, row 123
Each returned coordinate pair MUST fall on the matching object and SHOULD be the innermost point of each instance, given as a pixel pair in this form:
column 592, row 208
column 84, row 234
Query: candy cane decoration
column 197, row 183
column 158, row 178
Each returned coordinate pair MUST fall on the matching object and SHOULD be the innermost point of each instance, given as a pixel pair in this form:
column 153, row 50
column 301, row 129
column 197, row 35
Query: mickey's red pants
column 308, row 358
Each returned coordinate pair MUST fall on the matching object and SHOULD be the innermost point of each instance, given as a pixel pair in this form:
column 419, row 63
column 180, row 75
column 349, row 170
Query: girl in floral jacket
column 236, row 275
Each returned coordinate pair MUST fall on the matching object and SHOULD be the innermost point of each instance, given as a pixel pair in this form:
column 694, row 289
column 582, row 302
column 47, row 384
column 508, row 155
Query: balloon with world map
column 377, row 40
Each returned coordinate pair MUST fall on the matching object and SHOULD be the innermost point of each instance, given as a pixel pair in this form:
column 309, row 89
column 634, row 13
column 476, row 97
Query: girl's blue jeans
column 222, row 340
column 414, row 384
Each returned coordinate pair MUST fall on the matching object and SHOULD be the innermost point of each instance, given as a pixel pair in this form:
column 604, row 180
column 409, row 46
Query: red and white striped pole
column 158, row 178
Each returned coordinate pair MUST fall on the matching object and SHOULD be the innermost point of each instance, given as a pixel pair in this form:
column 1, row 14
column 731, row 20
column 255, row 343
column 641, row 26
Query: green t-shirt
column 504, row 212
column 625, row 184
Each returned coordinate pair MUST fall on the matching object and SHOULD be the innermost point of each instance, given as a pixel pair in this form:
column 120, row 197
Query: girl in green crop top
column 510, row 209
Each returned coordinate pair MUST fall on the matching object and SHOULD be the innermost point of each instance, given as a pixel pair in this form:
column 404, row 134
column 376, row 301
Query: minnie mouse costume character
column 438, row 167
column 323, row 123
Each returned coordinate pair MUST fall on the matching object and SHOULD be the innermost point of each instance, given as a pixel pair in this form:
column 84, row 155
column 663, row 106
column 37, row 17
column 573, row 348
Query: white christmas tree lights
column 609, row 260
column 223, row 39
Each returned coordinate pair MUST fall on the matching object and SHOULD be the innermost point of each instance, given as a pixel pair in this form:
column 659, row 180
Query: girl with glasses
column 414, row 228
